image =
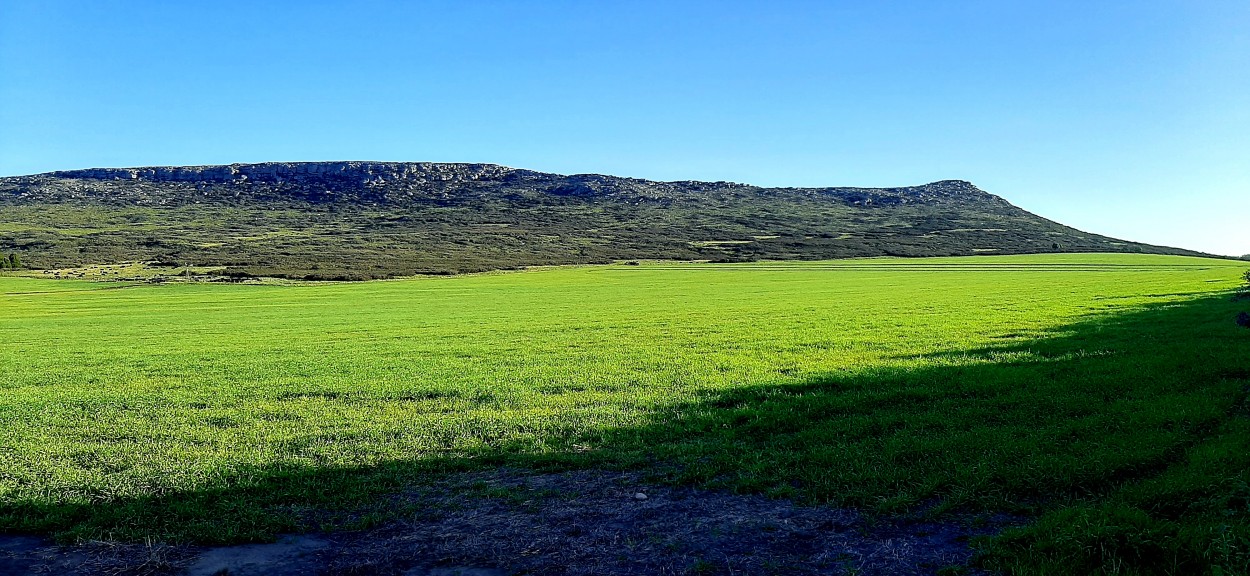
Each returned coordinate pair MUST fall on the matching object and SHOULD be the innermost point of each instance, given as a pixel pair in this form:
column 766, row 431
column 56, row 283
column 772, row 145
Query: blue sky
column 1125, row 118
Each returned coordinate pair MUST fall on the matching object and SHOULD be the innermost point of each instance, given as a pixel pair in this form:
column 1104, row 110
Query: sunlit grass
column 1032, row 384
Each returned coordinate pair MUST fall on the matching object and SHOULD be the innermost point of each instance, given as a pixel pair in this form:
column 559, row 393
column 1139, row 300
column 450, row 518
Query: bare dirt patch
column 507, row 522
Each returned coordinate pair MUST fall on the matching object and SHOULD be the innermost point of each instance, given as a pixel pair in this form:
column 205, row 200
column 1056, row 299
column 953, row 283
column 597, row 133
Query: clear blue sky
column 1124, row 118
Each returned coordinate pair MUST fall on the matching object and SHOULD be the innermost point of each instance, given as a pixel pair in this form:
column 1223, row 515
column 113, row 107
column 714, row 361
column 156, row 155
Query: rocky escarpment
column 359, row 173
column 379, row 219
column 406, row 182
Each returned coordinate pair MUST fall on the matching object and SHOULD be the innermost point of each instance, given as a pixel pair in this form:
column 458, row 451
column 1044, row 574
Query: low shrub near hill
column 1244, row 292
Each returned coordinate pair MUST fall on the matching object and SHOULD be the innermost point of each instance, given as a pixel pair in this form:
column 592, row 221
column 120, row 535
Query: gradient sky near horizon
column 1130, row 119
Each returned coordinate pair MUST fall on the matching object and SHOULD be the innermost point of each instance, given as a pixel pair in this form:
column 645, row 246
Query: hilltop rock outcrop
column 405, row 182
column 279, row 172
column 378, row 219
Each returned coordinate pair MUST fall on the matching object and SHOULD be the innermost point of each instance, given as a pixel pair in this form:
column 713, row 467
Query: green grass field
column 1103, row 395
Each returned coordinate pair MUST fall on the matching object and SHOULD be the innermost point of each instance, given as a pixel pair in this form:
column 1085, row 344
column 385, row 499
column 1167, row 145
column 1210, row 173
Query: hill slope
column 378, row 219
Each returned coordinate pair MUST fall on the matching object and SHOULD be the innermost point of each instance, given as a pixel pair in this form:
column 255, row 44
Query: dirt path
column 576, row 523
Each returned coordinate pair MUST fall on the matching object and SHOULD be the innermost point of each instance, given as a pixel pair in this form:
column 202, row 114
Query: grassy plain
column 1105, row 396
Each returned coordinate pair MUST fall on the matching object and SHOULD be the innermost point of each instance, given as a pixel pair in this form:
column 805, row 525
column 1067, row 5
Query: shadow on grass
column 1127, row 436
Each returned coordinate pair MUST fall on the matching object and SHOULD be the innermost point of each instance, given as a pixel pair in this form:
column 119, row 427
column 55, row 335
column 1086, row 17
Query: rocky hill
column 379, row 219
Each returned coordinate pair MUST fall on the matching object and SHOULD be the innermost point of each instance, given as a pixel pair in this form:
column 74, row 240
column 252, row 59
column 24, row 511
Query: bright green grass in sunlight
column 1104, row 397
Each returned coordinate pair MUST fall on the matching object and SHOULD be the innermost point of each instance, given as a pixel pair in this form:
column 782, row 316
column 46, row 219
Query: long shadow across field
column 1126, row 435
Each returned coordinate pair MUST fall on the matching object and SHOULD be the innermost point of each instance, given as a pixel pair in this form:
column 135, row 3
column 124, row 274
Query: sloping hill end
column 360, row 220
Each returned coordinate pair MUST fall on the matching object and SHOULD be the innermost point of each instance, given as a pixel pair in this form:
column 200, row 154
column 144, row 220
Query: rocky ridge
column 355, row 220
column 398, row 182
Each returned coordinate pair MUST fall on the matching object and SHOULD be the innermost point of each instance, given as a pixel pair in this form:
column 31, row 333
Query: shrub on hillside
column 1243, row 318
column 238, row 273
column 1244, row 291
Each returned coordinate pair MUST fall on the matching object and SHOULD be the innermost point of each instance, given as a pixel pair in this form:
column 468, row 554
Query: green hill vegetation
column 359, row 220
column 1102, row 397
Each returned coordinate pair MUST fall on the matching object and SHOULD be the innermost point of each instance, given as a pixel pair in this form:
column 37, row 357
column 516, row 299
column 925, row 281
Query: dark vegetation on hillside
column 10, row 261
column 357, row 220
column 1243, row 317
